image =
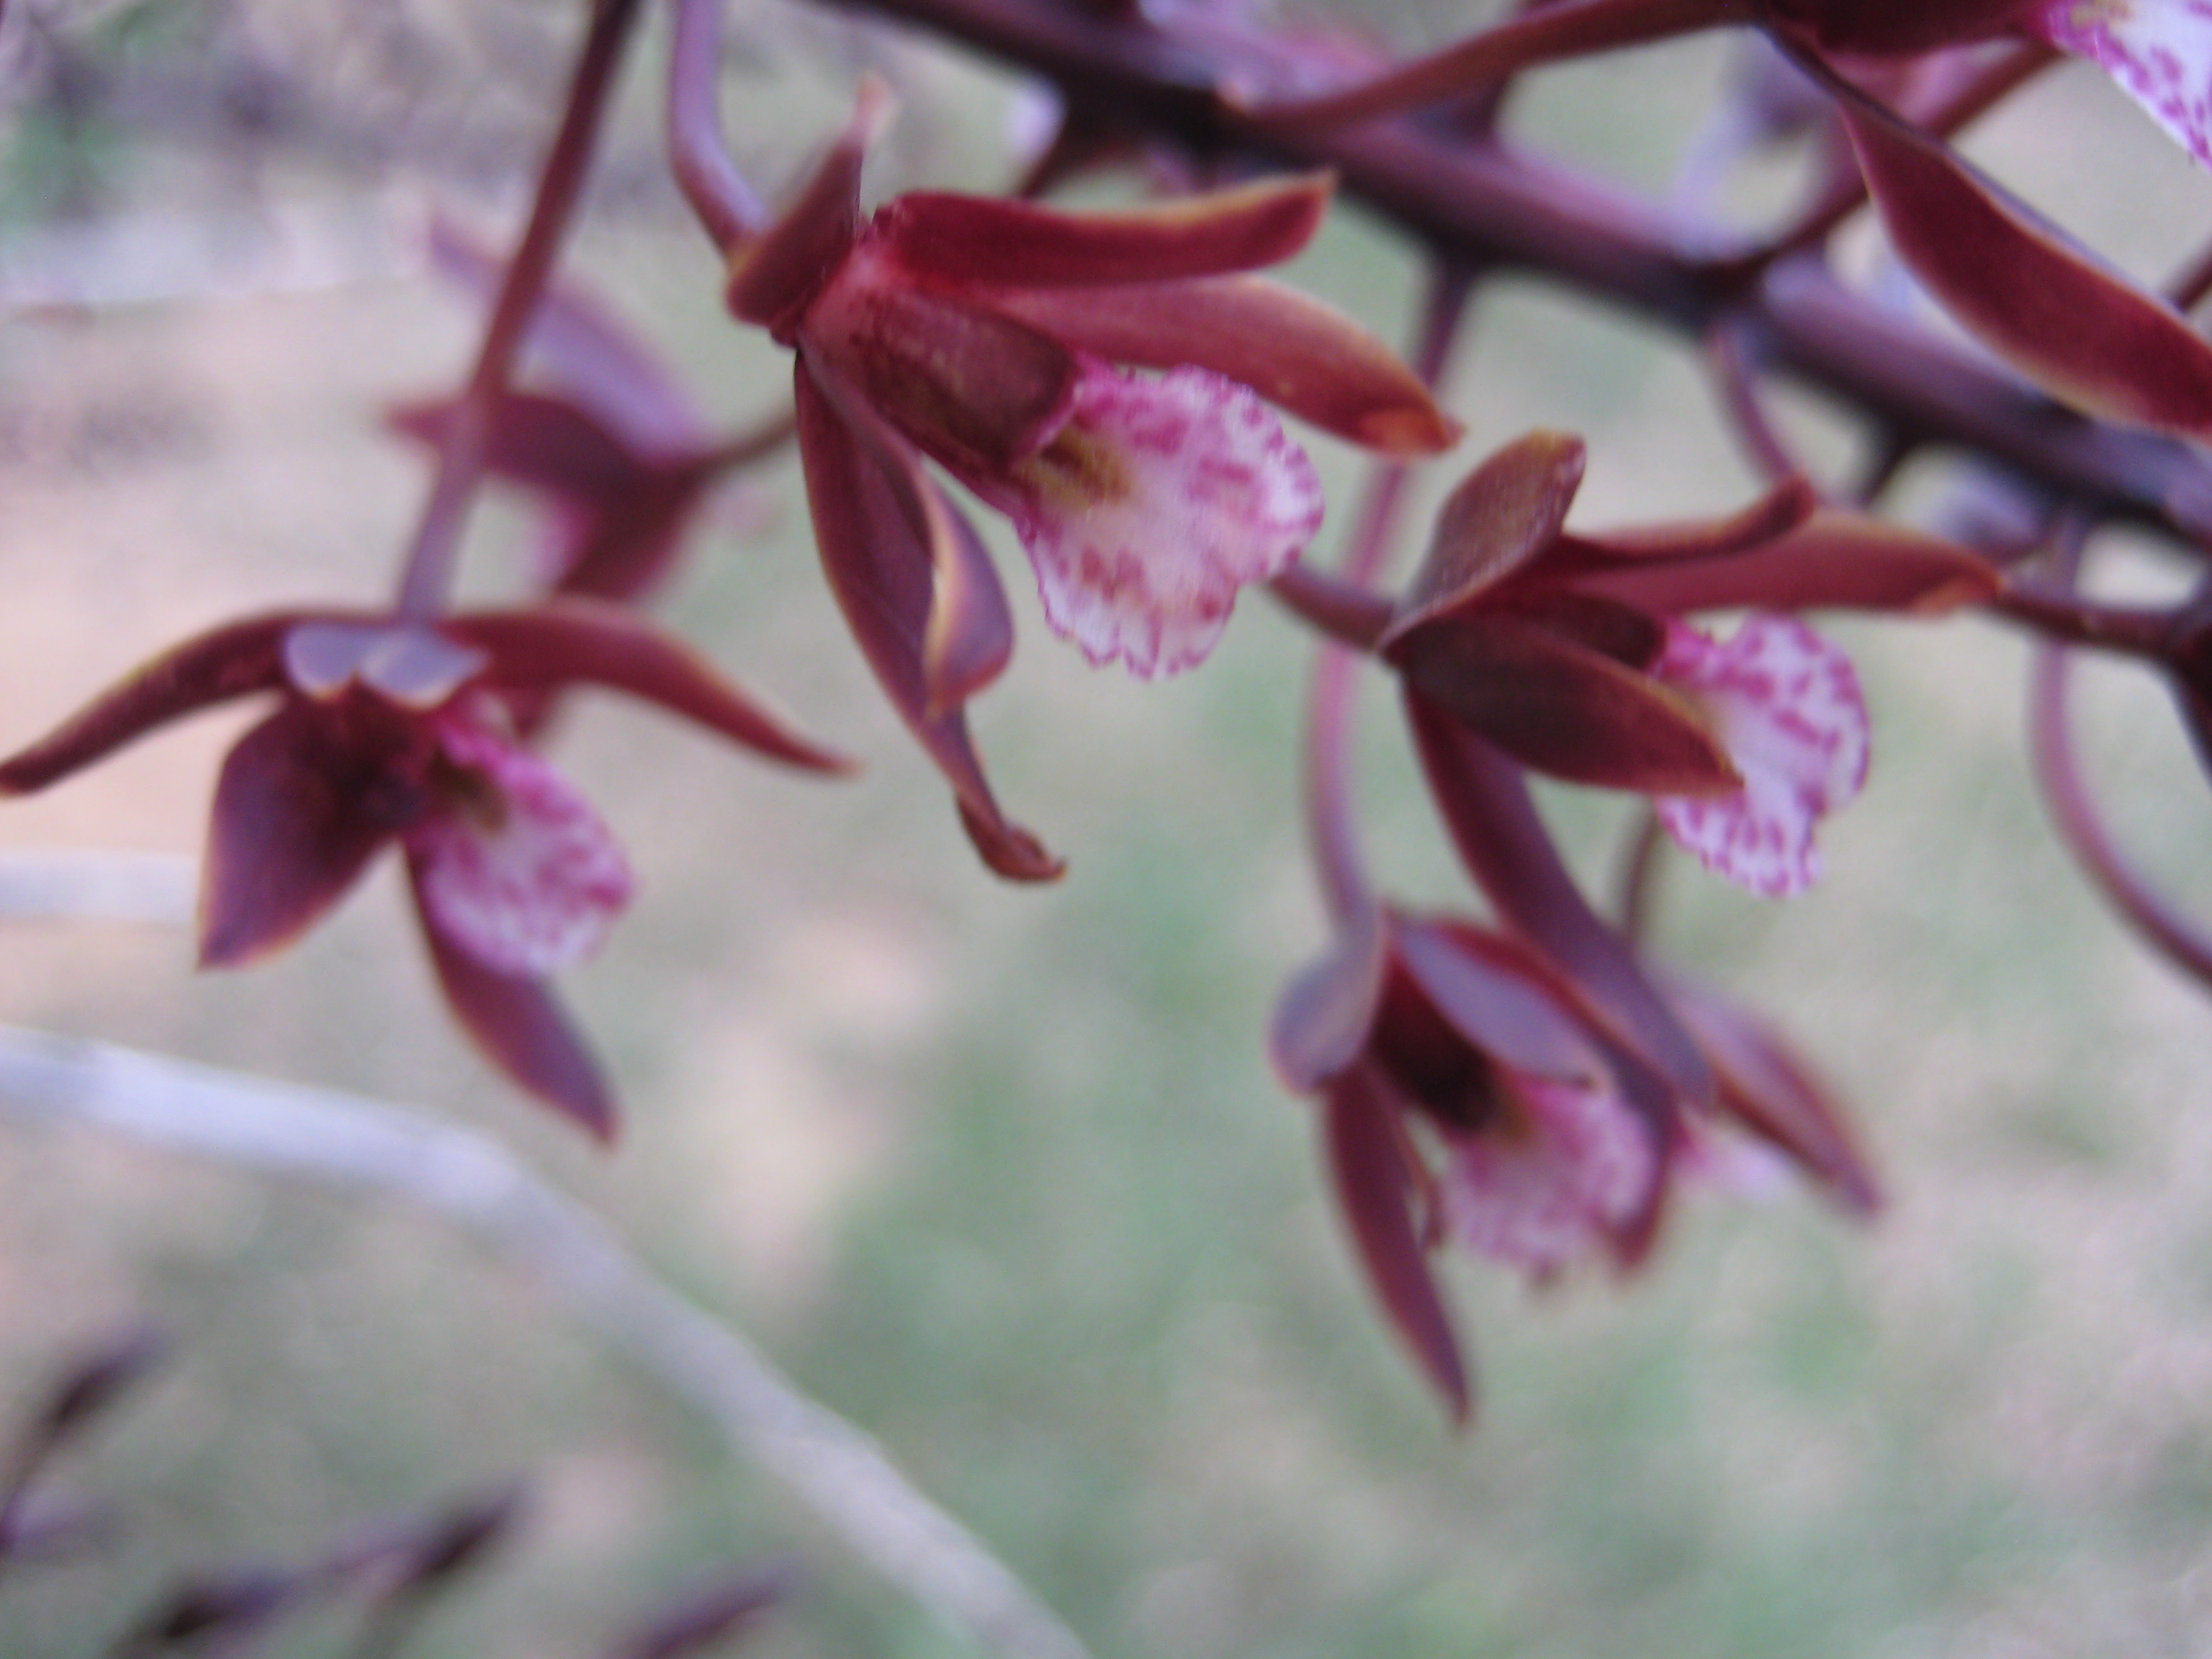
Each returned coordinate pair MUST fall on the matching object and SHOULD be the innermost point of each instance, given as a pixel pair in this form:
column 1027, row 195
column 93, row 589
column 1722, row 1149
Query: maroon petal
column 547, row 443
column 1771, row 1092
column 304, row 801
column 570, row 641
column 877, row 555
column 228, row 662
column 1833, row 559
column 1322, row 1020
column 2080, row 330
column 979, row 390
column 521, row 1028
column 586, row 350
column 1506, row 514
column 1499, row 997
column 1493, row 823
column 774, row 277
column 1778, row 512
column 1367, row 1158
column 1296, row 352
column 1566, row 710
column 963, row 239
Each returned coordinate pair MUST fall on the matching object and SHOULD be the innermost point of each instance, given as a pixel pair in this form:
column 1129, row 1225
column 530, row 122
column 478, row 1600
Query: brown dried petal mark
column 1782, row 509
column 979, row 392
column 1503, row 514
column 882, row 576
column 775, row 276
column 1367, row 1158
column 1498, row 997
column 2082, row 332
column 231, row 661
column 964, row 239
column 1834, row 559
column 573, row 640
column 303, row 802
column 1563, row 710
column 1304, row 357
column 1502, row 841
column 1770, row 1091
column 1326, row 1013
column 521, row 1029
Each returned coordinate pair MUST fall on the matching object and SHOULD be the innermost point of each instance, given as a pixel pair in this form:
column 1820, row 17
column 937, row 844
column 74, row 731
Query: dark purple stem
column 2066, row 792
column 1329, row 817
column 1487, row 205
column 2062, row 618
column 427, row 577
column 698, row 153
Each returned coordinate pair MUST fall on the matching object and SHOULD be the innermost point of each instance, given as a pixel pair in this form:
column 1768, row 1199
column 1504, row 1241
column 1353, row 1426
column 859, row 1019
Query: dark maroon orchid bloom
column 1571, row 652
column 608, row 442
column 389, row 731
column 1004, row 341
column 1469, row 1099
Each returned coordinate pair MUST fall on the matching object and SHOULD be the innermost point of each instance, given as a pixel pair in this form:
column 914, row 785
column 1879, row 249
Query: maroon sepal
column 583, row 641
column 1493, row 825
column 1782, row 509
column 774, row 277
column 1566, row 710
column 1497, row 995
column 304, row 801
column 1504, row 513
column 1324, row 1018
column 1772, row 1092
column 885, row 579
column 521, row 1028
column 549, row 443
column 1376, row 1190
column 1296, row 352
column 1834, row 559
column 961, row 239
column 2078, row 328
column 990, row 391
column 227, row 662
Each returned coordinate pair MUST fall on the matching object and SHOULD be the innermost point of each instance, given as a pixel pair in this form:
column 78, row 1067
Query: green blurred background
column 1002, row 1174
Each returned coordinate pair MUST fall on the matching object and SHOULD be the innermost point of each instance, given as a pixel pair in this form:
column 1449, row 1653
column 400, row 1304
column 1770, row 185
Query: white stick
column 473, row 1181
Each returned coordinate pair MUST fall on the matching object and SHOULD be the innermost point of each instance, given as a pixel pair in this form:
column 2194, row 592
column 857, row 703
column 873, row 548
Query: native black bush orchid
column 1003, row 341
column 388, row 731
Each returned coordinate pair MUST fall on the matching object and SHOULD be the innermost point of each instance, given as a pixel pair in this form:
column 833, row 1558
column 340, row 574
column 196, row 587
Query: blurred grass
column 1002, row 1174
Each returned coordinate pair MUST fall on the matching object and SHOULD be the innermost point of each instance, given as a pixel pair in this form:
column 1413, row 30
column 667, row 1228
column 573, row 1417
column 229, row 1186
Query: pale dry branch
column 260, row 1124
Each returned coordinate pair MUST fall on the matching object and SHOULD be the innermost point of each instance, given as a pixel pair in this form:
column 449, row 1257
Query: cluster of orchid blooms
column 1530, row 1087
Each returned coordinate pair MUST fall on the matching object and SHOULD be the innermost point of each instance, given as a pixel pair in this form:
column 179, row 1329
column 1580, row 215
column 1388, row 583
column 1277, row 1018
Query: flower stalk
column 427, row 577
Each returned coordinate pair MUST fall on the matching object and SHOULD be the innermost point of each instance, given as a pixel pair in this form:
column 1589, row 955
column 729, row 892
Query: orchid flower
column 1102, row 379
column 1571, row 652
column 1469, row 1098
column 386, row 732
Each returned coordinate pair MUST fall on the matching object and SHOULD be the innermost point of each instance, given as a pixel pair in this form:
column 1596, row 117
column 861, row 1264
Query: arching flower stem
column 698, row 153
column 1329, row 816
column 426, row 579
column 2073, row 809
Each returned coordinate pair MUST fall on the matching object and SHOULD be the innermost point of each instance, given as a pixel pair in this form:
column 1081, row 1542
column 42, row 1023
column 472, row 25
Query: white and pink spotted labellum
column 2160, row 52
column 1786, row 705
column 1554, row 1185
column 519, row 871
column 1158, row 499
